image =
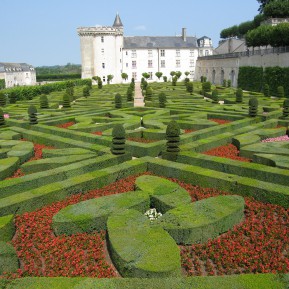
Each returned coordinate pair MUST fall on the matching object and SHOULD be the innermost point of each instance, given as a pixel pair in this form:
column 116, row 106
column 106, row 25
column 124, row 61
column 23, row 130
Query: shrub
column 129, row 94
column 99, row 83
column 173, row 140
column 286, row 108
column 12, row 97
column 2, row 99
column 187, row 80
column 8, row 259
column 174, row 80
column 2, row 119
column 206, row 86
column 117, row 101
column 118, row 140
column 32, row 113
column 70, row 92
column 253, row 107
column 86, row 91
column 162, row 100
column 149, row 93
column 66, row 101
column 190, row 87
column 109, row 78
column 266, row 90
column 280, row 91
column 165, row 78
column 43, row 101
column 239, row 95
column 229, row 83
column 215, row 96
column 225, row 83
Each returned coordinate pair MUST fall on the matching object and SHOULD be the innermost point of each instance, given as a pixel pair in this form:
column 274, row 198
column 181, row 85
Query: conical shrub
column 162, row 100
column 12, row 97
column 44, row 101
column 215, row 96
column 266, row 90
column 86, row 91
column 32, row 113
column 190, row 87
column 118, row 101
column 280, row 91
column 149, row 94
column 118, row 140
column 286, row 108
column 253, row 107
column 2, row 119
column 2, row 99
column 239, row 95
column 173, row 140
column 129, row 94
column 66, row 101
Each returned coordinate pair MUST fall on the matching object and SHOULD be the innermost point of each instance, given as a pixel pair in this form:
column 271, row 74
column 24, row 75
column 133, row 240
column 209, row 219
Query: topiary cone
column 66, row 101
column 32, row 113
column 173, row 140
column 118, row 140
column 253, row 106
column 286, row 108
column 44, row 101
column 2, row 119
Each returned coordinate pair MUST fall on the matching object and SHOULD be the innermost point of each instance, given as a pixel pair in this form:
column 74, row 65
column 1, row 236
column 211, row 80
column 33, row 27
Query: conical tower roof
column 117, row 21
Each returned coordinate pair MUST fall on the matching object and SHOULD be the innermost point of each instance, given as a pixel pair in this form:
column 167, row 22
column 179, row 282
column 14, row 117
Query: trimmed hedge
column 8, row 166
column 250, row 78
column 139, row 249
column 8, row 258
column 92, row 215
column 203, row 220
column 7, row 228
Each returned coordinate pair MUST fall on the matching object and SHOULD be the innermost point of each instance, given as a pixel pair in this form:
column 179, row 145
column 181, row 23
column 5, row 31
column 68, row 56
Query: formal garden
column 189, row 191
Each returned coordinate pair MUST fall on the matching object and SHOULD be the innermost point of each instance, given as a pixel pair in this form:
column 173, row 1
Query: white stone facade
column 105, row 50
column 17, row 74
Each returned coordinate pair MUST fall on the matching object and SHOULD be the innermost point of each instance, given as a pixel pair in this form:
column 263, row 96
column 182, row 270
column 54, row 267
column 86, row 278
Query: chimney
column 184, row 34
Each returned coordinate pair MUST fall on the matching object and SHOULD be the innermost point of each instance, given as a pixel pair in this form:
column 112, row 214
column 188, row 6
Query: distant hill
column 69, row 68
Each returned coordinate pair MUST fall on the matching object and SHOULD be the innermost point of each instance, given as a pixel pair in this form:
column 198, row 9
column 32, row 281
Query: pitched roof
column 10, row 67
column 117, row 21
column 133, row 42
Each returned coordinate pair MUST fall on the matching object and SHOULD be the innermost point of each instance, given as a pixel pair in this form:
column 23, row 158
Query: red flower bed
column 37, row 156
column 66, row 125
column 259, row 244
column 227, row 151
column 142, row 140
column 97, row 133
column 220, row 121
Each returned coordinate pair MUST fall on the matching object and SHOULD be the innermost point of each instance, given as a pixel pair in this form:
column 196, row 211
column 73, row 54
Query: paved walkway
column 138, row 98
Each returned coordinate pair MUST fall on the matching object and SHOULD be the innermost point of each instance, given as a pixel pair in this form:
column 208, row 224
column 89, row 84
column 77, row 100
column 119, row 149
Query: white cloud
column 140, row 27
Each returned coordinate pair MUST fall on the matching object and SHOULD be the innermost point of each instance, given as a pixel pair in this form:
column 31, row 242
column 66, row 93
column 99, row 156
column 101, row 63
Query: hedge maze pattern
column 80, row 136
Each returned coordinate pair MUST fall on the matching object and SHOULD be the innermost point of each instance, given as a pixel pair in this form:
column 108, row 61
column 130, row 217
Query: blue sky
column 43, row 32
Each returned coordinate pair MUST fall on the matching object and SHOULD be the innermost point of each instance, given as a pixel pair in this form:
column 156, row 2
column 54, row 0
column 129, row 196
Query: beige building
column 17, row 74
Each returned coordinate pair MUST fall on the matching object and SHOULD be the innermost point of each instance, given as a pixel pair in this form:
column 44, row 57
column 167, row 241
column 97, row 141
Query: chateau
column 105, row 50
column 16, row 74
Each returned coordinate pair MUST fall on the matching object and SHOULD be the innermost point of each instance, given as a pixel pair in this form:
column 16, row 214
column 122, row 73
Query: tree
column 158, row 75
column 215, row 96
column 124, row 76
column 118, row 140
column 173, row 140
column 109, row 78
column 32, row 113
column 280, row 91
column 263, row 3
column 12, row 97
column 178, row 74
column 174, row 80
column 276, row 9
column 239, row 95
column 266, row 90
column 117, row 101
column 146, row 75
column 44, row 101
column 99, row 83
column 172, row 74
column 206, row 86
column 187, row 73
column 165, row 78
column 129, row 94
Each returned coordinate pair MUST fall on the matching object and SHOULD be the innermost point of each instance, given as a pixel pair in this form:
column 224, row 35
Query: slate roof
column 117, row 21
column 10, row 67
column 134, row 42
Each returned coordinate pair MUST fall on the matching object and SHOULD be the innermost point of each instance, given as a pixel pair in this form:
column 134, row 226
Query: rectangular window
column 192, row 62
column 192, row 73
column 126, row 64
column 163, row 63
column 102, row 50
column 191, row 53
column 126, row 53
column 133, row 64
column 150, row 63
column 134, row 75
column 206, row 52
column 162, row 52
column 102, row 39
column 103, row 65
column 150, row 53
column 133, row 53
column 178, row 63
column 178, row 53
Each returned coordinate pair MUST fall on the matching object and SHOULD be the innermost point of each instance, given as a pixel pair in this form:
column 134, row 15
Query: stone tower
column 101, row 50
